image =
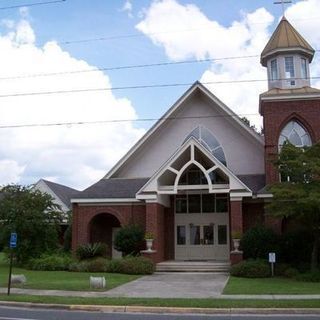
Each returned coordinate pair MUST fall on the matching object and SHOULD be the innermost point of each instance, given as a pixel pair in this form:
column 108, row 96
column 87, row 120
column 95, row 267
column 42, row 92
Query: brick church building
column 200, row 173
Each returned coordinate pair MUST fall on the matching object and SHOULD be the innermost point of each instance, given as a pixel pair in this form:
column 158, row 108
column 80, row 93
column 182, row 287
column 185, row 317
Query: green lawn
column 151, row 302
column 60, row 280
column 274, row 285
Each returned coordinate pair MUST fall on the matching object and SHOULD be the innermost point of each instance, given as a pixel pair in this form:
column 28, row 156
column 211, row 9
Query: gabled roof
column 64, row 193
column 196, row 87
column 286, row 38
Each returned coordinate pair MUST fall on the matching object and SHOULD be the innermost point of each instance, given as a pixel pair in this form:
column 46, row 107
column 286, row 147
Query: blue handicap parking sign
column 13, row 240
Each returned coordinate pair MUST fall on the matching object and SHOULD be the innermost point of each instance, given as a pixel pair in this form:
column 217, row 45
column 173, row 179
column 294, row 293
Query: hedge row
column 127, row 265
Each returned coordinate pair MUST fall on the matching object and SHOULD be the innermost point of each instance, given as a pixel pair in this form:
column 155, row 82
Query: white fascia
column 105, row 200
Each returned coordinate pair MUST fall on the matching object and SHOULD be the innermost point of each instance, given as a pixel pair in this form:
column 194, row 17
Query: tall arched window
column 296, row 134
column 208, row 140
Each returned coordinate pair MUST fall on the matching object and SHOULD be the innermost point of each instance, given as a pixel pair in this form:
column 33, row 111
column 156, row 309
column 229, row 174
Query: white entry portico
column 200, row 183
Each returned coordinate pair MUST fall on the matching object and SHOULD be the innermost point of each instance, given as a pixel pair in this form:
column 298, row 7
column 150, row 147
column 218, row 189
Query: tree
column 129, row 239
column 33, row 216
column 298, row 194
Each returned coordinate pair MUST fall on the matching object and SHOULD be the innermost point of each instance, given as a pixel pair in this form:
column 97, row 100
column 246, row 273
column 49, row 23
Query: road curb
column 162, row 310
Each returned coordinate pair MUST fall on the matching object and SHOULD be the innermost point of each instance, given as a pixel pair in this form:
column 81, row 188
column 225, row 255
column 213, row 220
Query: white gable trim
column 196, row 86
column 151, row 185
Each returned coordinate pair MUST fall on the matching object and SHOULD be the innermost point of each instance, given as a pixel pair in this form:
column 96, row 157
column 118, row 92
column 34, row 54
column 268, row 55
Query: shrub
column 67, row 239
column 91, row 250
column 291, row 273
column 251, row 269
column 129, row 240
column 97, row 265
column 257, row 242
column 313, row 276
column 280, row 268
column 297, row 241
column 79, row 266
column 114, row 266
column 52, row 262
column 131, row 265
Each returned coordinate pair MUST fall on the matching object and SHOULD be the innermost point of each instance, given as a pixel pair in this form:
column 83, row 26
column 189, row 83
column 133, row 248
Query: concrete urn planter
column 236, row 244
column 149, row 243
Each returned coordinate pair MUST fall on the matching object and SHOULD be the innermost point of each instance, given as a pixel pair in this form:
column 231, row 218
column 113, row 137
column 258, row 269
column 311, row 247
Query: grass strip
column 276, row 285
column 155, row 302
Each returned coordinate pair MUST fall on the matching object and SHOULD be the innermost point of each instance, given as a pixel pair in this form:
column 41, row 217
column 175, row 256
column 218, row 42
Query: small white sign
column 272, row 257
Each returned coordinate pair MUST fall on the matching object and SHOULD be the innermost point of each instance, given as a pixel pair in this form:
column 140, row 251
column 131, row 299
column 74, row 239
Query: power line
column 137, row 35
column 124, row 67
column 134, row 66
column 23, row 94
column 33, row 4
column 120, row 121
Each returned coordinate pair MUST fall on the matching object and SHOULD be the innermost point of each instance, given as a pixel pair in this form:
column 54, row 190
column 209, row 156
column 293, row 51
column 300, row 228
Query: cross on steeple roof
column 283, row 2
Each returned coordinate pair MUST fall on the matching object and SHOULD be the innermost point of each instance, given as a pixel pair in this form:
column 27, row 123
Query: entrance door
column 115, row 253
column 201, row 236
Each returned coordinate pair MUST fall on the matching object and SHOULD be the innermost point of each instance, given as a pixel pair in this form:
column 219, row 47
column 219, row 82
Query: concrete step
column 193, row 266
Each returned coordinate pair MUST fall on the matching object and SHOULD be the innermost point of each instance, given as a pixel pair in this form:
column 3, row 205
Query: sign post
column 12, row 245
column 272, row 260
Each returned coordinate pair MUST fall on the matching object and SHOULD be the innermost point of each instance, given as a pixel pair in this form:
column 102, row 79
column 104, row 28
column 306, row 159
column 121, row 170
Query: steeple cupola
column 287, row 56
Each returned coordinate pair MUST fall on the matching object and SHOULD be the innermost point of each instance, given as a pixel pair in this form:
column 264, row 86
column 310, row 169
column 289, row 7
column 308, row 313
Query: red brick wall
column 253, row 214
column 155, row 223
column 236, row 216
column 82, row 215
column 276, row 115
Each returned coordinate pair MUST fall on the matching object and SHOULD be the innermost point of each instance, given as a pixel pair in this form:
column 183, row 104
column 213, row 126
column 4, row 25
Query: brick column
column 155, row 224
column 236, row 225
column 75, row 223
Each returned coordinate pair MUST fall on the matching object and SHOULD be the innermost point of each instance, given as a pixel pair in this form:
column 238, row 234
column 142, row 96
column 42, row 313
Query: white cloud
column 74, row 155
column 10, row 171
column 127, row 7
column 199, row 37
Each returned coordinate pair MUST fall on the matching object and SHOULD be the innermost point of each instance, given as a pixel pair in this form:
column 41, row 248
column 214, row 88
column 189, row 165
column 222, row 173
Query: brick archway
column 101, row 229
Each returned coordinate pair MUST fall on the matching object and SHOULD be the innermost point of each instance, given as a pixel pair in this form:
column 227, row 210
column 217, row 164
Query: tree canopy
column 298, row 194
column 33, row 216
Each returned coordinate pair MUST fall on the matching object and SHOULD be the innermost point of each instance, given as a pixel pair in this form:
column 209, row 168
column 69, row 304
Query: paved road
column 7, row 313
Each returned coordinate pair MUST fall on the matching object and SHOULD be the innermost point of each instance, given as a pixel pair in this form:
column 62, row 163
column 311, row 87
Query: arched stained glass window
column 208, row 140
column 296, row 134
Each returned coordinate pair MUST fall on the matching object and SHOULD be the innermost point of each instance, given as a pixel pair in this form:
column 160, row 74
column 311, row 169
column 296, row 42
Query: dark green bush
column 312, row 276
column 131, row 265
column 79, row 266
column 297, row 241
column 251, row 269
column 114, row 266
column 129, row 240
column 52, row 262
column 280, row 268
column 97, row 265
column 67, row 239
column 257, row 242
column 91, row 250
column 291, row 273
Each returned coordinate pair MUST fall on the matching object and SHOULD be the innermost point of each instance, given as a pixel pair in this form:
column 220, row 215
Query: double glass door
column 201, row 237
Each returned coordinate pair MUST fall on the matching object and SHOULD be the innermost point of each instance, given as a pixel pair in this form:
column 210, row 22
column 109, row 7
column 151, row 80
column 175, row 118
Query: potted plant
column 236, row 237
column 149, row 237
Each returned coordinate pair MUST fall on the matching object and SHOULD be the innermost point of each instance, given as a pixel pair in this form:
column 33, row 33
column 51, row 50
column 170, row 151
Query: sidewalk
column 91, row 294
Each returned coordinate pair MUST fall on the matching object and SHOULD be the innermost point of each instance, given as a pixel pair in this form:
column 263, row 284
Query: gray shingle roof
column 113, row 188
column 253, row 181
column 64, row 193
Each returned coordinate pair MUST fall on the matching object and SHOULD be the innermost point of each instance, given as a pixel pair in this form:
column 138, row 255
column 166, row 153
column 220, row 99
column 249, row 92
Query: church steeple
column 287, row 56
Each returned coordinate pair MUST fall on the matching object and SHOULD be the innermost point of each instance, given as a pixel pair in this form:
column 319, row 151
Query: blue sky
column 33, row 40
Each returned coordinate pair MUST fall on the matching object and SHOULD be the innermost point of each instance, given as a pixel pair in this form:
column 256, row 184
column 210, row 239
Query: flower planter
column 236, row 244
column 149, row 243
